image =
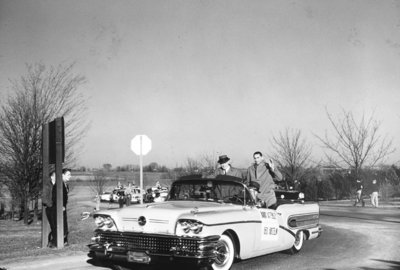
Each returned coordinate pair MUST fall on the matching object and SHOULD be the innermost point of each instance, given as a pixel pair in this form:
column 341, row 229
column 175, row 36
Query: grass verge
column 20, row 240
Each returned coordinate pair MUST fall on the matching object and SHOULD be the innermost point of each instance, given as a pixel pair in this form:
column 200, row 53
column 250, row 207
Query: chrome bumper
column 146, row 248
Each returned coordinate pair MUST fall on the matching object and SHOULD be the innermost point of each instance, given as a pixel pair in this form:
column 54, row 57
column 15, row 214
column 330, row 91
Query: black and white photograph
column 199, row 134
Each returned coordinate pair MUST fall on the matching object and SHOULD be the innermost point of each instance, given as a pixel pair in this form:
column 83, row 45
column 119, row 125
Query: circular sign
column 141, row 145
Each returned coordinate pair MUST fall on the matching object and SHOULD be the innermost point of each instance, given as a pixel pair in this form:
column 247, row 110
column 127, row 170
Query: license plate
column 138, row 257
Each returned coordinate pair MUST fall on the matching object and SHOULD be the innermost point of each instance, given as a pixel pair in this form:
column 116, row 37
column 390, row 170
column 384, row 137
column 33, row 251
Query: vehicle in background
column 136, row 194
column 117, row 193
column 156, row 194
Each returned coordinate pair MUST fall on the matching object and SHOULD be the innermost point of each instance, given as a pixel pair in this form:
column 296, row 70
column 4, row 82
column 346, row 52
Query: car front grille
column 154, row 244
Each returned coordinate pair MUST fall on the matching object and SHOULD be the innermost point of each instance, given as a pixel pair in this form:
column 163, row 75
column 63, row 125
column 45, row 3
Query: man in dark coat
column 225, row 168
column 50, row 208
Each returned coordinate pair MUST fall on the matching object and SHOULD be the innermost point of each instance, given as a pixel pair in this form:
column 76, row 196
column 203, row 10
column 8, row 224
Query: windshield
column 210, row 190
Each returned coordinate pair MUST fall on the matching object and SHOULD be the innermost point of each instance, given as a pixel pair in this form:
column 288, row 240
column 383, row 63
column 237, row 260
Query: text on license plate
column 138, row 257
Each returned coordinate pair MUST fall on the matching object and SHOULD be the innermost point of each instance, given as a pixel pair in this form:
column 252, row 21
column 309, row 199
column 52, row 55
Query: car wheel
column 225, row 251
column 298, row 243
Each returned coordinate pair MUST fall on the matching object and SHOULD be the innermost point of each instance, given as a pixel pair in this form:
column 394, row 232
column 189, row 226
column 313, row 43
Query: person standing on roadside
column 262, row 175
column 375, row 194
column 225, row 168
column 66, row 176
column 50, row 208
column 128, row 194
column 359, row 190
column 121, row 198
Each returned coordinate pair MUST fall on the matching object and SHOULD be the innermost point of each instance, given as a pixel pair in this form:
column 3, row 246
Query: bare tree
column 201, row 165
column 193, row 166
column 355, row 144
column 208, row 164
column 98, row 184
column 38, row 97
column 292, row 153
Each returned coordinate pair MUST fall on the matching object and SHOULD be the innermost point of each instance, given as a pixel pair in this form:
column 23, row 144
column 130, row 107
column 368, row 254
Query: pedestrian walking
column 375, row 193
column 359, row 193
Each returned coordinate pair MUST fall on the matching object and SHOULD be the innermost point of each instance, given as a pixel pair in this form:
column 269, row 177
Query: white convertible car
column 210, row 222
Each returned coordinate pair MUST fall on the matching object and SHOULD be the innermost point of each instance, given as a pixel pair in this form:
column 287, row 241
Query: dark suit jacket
column 232, row 172
column 65, row 195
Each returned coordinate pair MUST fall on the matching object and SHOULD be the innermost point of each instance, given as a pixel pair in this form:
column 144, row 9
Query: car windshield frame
column 210, row 190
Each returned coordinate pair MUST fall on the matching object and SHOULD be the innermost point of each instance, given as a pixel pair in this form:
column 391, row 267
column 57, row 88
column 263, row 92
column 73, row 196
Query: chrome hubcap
column 298, row 239
column 222, row 253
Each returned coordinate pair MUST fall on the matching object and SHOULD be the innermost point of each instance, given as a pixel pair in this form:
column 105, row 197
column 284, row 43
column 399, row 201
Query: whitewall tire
column 225, row 253
column 298, row 242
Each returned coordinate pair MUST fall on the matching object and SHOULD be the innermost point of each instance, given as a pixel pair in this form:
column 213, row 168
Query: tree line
column 354, row 146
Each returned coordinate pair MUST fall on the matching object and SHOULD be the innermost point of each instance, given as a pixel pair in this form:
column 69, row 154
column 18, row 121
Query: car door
column 268, row 230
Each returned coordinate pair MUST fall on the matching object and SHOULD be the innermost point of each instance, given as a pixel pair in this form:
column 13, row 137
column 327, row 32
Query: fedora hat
column 223, row 159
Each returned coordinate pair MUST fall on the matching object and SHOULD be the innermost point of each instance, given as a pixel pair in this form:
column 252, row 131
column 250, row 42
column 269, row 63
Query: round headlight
column 99, row 221
column 197, row 227
column 301, row 195
column 185, row 227
column 108, row 222
column 191, row 226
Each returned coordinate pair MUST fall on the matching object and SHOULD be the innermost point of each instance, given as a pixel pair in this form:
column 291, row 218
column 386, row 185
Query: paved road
column 353, row 238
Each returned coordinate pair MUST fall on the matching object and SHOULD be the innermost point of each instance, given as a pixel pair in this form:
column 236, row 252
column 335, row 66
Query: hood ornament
column 195, row 210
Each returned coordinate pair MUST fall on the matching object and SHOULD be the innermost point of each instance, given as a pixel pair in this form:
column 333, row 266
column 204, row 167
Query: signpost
column 53, row 143
column 141, row 146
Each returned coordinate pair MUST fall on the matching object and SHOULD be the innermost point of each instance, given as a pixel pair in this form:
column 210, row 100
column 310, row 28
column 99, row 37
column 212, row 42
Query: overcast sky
column 211, row 77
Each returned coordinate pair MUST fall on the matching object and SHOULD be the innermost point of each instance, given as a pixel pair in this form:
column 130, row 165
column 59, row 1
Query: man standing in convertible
column 262, row 174
column 225, row 168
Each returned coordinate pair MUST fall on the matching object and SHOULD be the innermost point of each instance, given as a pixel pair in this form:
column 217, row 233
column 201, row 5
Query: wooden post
column 59, row 181
column 141, row 171
column 45, row 177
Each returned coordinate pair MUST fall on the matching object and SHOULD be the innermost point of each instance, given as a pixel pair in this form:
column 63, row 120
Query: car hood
column 162, row 217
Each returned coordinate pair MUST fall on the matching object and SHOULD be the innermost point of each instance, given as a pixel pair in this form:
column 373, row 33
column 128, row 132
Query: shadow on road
column 171, row 265
column 392, row 265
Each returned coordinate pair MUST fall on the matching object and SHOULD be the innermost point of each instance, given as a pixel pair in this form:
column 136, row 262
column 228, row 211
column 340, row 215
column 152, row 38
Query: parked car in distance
column 105, row 196
column 117, row 193
column 111, row 196
column 159, row 193
column 136, row 194
column 208, row 222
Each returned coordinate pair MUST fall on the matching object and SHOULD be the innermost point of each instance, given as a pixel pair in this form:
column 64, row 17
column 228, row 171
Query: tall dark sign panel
column 53, row 129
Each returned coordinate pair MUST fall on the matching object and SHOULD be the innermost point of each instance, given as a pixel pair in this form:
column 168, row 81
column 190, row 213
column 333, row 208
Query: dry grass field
column 20, row 240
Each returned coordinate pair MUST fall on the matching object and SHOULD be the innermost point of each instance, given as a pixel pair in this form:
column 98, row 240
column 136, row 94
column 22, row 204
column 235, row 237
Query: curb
column 45, row 262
